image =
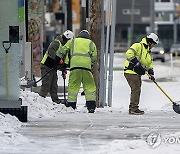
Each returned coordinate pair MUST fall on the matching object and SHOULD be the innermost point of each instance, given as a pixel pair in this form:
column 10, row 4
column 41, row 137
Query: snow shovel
column 7, row 47
column 64, row 101
column 176, row 105
column 33, row 82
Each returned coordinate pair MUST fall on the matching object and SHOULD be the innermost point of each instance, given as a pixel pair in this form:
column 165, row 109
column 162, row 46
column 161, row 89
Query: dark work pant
column 135, row 83
column 49, row 83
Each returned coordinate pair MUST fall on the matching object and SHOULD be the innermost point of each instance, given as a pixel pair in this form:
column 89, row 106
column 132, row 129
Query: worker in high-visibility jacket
column 48, row 63
column 139, row 60
column 83, row 55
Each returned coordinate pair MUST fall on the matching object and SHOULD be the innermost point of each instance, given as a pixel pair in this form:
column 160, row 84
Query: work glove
column 58, row 62
column 151, row 74
column 151, row 71
column 62, row 67
column 151, row 77
column 137, row 66
column 64, row 73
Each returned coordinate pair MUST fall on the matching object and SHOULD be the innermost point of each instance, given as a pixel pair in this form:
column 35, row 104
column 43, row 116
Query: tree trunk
column 95, row 30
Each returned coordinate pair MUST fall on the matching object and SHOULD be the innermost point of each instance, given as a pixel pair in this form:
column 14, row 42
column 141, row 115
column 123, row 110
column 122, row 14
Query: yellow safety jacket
column 82, row 53
column 143, row 54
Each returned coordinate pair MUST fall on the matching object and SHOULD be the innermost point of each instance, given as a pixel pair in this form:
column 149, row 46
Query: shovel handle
column 160, row 88
column 64, row 89
column 45, row 75
column 7, row 76
column 7, row 47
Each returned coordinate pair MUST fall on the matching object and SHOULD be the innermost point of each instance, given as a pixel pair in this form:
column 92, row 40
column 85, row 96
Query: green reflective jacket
column 82, row 53
column 141, row 53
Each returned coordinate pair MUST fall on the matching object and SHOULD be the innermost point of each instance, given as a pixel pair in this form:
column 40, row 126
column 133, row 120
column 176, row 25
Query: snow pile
column 9, row 127
column 39, row 107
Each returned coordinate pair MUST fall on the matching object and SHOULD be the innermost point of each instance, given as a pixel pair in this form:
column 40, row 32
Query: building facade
column 136, row 18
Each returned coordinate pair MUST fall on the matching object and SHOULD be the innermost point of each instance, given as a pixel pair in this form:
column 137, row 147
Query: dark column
column 69, row 14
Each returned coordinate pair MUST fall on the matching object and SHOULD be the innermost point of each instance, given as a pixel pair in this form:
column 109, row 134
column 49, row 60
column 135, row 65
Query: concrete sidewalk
column 83, row 133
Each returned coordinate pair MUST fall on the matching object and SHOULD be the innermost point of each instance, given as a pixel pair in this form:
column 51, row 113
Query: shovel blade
column 31, row 83
column 176, row 107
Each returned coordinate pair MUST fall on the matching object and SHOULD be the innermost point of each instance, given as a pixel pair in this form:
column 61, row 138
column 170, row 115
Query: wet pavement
column 83, row 133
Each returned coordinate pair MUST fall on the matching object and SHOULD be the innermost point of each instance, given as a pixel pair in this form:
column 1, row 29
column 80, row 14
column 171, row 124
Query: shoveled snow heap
column 39, row 107
column 9, row 127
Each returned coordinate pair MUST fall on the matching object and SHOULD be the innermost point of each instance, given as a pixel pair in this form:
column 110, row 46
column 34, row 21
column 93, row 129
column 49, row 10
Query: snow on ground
column 151, row 99
column 137, row 147
column 9, row 136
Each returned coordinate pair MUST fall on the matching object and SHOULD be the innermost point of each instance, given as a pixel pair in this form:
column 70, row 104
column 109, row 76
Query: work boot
column 91, row 111
column 136, row 112
column 91, row 106
column 71, row 104
column 58, row 101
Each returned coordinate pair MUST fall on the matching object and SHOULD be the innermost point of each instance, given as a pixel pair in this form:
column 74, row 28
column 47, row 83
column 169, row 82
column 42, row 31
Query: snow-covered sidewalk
column 107, row 131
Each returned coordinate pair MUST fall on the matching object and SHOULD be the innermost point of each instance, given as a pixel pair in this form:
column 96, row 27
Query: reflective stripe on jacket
column 139, row 51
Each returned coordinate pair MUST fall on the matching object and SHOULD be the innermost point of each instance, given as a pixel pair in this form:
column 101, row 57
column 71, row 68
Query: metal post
column 101, row 88
column 65, row 14
column 171, row 58
column 152, row 16
column 175, row 31
column 132, row 21
column 83, row 14
column 111, row 53
column 175, row 24
column 69, row 14
column 87, row 14
column 107, row 46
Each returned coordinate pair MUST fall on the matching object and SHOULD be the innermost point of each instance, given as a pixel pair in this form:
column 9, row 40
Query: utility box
column 10, row 50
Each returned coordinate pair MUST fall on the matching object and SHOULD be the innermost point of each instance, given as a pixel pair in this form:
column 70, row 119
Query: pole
column 107, row 46
column 65, row 14
column 102, row 87
column 69, row 14
column 175, row 31
column 87, row 14
column 132, row 22
column 175, row 24
column 111, row 53
column 152, row 16
column 83, row 14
